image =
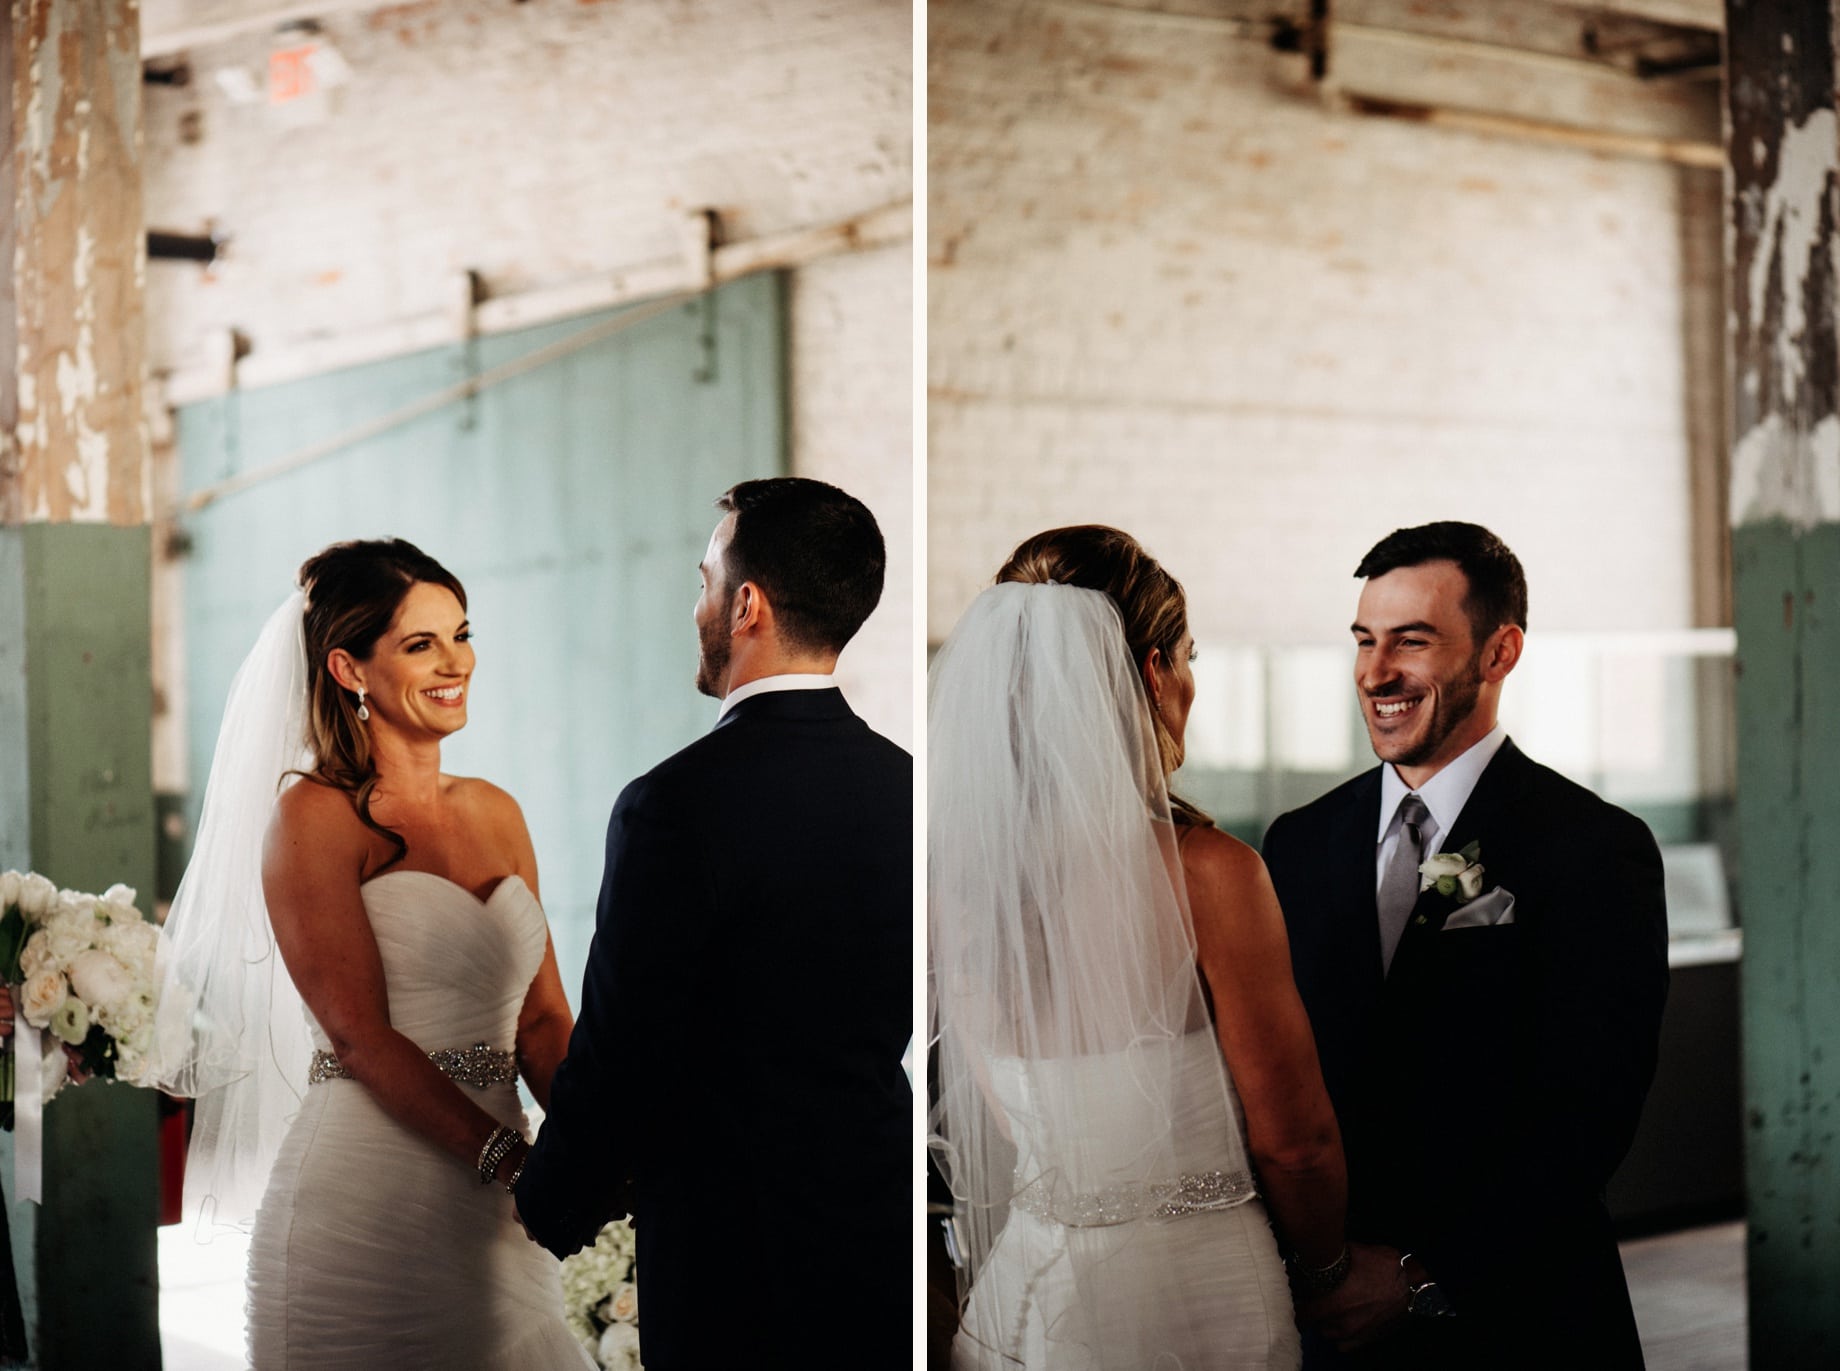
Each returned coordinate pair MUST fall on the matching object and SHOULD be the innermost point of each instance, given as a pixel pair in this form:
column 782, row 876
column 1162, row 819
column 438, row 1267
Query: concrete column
column 1784, row 214
column 75, row 700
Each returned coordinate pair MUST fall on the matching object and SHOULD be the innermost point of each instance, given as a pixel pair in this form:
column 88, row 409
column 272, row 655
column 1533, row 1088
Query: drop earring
column 363, row 710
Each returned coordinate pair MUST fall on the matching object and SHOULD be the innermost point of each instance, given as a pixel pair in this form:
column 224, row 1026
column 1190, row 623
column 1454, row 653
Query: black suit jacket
column 743, row 1014
column 1488, row 1086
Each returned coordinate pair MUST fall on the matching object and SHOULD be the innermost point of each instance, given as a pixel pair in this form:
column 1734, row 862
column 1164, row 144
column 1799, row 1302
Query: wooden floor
column 1688, row 1289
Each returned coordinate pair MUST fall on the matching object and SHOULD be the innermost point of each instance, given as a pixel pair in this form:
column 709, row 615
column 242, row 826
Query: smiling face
column 712, row 614
column 1428, row 690
column 419, row 672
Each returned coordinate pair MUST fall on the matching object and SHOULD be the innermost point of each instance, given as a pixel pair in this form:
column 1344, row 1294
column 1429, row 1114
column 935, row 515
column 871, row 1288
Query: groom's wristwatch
column 1424, row 1298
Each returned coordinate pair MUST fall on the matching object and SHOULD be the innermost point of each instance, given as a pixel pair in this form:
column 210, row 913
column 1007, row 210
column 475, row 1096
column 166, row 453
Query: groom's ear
column 1501, row 652
column 749, row 610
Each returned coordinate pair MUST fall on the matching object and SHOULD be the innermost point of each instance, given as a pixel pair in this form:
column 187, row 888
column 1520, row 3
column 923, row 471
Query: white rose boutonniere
column 1454, row 875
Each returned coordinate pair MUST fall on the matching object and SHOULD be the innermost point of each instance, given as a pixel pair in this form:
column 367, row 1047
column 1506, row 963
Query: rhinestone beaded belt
column 1185, row 1195
column 477, row 1065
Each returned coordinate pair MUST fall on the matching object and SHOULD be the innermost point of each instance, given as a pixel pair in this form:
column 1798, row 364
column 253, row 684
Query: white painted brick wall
column 1172, row 291
column 545, row 142
column 852, row 425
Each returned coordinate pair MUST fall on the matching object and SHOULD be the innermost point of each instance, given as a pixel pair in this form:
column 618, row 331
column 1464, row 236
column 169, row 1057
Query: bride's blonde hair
column 1150, row 601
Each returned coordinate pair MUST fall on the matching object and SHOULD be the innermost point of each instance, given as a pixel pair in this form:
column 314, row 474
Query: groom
column 735, row 1076
column 1487, row 1049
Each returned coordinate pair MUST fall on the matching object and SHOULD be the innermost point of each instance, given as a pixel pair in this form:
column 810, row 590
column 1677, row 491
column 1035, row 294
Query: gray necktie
column 1399, row 886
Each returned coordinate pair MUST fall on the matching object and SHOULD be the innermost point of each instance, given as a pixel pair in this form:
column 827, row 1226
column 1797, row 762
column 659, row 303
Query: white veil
column 1074, row 1053
column 231, row 1031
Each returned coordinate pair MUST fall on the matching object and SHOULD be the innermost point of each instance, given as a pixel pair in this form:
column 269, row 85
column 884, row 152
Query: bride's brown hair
column 353, row 592
column 1150, row 601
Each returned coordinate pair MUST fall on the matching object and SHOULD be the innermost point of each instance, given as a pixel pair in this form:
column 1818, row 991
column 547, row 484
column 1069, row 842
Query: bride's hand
column 1365, row 1306
column 74, row 1058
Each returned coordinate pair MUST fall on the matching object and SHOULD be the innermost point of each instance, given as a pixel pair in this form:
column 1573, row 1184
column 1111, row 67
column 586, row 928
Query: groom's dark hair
column 1497, row 585
column 814, row 550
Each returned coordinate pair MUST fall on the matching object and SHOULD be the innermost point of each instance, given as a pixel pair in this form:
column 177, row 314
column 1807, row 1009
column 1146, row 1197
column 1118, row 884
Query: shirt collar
column 762, row 685
column 1446, row 793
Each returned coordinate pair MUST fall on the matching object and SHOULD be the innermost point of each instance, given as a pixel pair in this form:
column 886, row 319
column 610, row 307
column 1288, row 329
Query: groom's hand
column 1366, row 1306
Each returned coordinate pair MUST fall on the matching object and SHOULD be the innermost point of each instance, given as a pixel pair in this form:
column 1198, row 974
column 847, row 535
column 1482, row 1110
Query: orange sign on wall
column 290, row 73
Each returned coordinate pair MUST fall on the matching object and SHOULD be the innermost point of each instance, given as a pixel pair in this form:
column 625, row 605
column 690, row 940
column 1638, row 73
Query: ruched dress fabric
column 372, row 1247
column 1228, row 1306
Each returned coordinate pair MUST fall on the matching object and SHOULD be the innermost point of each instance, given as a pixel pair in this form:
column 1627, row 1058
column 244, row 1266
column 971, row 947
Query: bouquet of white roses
column 83, row 968
column 601, row 1298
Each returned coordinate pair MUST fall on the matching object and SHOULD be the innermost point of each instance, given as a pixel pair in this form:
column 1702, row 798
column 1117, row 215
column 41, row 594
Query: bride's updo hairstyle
column 353, row 592
column 1150, row 602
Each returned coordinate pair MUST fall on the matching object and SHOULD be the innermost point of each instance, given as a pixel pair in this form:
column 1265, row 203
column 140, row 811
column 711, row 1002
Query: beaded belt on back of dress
column 1199, row 1193
column 477, row 1065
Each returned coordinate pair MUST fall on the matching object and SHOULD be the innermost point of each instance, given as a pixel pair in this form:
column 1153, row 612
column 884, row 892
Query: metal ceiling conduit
column 705, row 266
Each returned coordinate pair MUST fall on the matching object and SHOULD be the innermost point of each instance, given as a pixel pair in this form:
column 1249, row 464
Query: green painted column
column 1784, row 193
column 76, row 798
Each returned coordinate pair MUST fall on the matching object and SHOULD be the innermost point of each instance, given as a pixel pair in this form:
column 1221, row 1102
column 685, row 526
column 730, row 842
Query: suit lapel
column 1355, row 898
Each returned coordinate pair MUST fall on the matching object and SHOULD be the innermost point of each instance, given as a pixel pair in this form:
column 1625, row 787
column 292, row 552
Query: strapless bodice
column 457, row 968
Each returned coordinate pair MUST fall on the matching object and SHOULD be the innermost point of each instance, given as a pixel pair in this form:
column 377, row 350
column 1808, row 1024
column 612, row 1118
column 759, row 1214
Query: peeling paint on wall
column 1784, row 245
column 78, row 450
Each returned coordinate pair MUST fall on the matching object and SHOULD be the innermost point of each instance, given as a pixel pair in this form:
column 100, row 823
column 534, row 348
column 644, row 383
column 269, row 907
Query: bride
column 1129, row 1095
column 381, row 1127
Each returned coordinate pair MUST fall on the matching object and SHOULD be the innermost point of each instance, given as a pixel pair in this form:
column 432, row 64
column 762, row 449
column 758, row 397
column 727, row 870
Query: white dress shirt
column 1444, row 795
column 761, row 685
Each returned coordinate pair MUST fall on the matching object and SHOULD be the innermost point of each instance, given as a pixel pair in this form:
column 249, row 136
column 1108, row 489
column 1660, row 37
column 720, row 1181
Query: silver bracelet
column 1320, row 1280
column 516, row 1171
column 497, row 1148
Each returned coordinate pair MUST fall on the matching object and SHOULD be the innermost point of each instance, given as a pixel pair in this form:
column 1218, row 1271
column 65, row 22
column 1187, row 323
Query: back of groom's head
column 813, row 550
column 1497, row 586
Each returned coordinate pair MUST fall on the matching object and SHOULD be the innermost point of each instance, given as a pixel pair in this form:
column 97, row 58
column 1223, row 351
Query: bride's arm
column 545, row 1021
column 1265, row 1034
column 310, row 870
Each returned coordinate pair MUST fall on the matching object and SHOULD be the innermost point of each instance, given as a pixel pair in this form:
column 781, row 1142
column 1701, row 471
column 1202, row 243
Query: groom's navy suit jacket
column 1491, row 1082
column 738, row 1055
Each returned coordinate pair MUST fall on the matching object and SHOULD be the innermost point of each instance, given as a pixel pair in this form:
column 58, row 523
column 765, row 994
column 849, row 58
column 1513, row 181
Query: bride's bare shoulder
column 1221, row 861
column 307, row 802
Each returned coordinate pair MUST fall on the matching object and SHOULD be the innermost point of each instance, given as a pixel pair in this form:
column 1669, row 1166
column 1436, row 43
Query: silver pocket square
column 1489, row 910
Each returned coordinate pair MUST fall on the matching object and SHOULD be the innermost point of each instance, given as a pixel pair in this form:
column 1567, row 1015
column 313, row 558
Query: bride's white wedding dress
column 1199, row 1271
column 372, row 1247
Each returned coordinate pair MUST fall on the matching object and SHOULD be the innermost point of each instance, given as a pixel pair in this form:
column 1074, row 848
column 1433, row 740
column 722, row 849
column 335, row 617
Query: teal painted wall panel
column 574, row 502
column 75, row 719
column 1787, row 610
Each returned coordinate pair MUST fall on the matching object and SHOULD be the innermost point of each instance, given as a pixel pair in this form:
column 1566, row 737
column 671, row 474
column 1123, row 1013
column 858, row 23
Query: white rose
column 41, row 996
column 134, row 945
column 624, row 1306
column 130, row 1022
column 1469, row 882
column 1442, row 864
column 75, row 904
column 130, row 1063
column 119, row 900
column 99, row 980
column 67, row 935
column 619, row 1349
column 36, row 958
column 37, row 896
column 9, row 889
column 70, row 1021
